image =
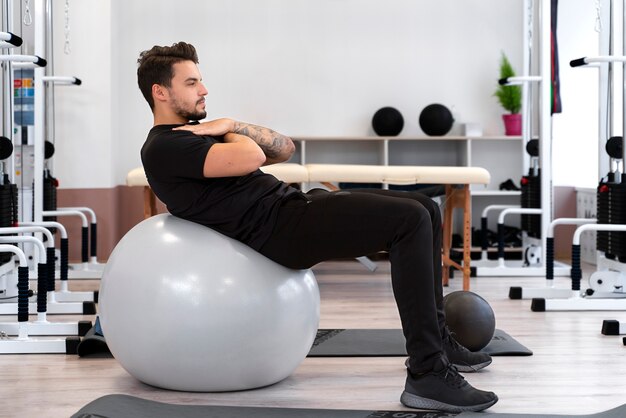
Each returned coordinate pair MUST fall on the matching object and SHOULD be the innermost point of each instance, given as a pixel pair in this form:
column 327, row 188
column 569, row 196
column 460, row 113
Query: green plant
column 510, row 97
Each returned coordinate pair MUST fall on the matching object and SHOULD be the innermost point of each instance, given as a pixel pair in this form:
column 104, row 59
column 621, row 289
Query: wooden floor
column 574, row 369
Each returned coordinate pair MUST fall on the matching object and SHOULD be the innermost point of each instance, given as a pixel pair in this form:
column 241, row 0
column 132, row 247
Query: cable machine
column 606, row 285
column 536, row 206
column 17, row 227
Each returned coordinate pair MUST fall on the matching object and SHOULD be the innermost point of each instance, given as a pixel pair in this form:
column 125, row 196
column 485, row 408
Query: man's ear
column 159, row 92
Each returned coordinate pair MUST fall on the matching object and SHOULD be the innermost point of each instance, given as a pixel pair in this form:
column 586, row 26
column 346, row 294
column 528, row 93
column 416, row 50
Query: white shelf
column 385, row 149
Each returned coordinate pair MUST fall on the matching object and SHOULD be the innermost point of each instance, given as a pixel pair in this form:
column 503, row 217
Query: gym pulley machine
column 536, row 206
column 606, row 285
column 15, row 229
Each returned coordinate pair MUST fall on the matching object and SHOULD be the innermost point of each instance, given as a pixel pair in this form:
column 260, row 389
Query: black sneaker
column 444, row 389
column 508, row 185
column 462, row 358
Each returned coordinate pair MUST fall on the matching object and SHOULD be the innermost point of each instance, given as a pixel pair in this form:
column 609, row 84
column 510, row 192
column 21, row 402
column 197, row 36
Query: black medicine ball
column 436, row 119
column 387, row 121
column 470, row 319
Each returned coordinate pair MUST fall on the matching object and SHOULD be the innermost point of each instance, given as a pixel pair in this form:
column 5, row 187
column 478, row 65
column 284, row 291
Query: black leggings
column 345, row 224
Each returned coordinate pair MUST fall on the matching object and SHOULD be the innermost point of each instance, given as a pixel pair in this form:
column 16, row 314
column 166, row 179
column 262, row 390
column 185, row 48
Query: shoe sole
column 469, row 368
column 464, row 368
column 417, row 402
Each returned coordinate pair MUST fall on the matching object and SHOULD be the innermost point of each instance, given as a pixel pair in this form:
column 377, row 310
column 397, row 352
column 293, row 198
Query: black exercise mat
column 344, row 343
column 93, row 345
column 124, row 406
column 502, row 344
column 391, row 343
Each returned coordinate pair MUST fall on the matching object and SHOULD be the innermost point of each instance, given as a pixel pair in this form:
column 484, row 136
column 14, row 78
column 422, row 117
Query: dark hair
column 156, row 66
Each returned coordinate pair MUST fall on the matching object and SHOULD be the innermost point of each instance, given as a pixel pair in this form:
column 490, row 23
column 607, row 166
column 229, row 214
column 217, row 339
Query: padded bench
column 456, row 179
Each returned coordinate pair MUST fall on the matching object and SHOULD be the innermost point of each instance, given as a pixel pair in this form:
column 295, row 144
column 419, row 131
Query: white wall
column 308, row 67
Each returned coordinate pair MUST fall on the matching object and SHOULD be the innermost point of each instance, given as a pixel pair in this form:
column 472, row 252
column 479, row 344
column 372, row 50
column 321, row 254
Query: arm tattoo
column 272, row 143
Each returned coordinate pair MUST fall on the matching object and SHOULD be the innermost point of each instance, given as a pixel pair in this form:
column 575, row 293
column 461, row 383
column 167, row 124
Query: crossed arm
column 246, row 147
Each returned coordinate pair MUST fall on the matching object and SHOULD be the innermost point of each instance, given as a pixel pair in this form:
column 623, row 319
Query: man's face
column 187, row 92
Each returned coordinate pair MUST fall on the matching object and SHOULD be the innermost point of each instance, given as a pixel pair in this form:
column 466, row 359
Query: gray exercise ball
column 183, row 307
column 470, row 319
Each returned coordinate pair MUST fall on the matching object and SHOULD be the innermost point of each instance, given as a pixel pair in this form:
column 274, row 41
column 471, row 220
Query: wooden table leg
column 457, row 197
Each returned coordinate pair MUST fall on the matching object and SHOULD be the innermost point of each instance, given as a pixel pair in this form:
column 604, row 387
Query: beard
column 188, row 112
column 192, row 115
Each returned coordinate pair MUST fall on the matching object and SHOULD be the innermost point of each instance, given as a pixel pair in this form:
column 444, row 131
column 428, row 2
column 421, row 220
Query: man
column 209, row 173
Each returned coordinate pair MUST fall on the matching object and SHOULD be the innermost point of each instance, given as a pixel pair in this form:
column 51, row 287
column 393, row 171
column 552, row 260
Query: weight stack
column 50, row 185
column 531, row 198
column 618, row 216
column 611, row 209
column 603, row 213
column 8, row 212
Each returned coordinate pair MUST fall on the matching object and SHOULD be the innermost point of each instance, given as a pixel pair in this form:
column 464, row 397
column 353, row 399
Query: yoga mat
column 93, row 345
column 391, row 343
column 344, row 343
column 124, row 406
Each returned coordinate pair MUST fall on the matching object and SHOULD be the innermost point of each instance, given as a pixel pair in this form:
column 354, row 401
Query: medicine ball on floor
column 387, row 121
column 470, row 319
column 183, row 307
column 436, row 119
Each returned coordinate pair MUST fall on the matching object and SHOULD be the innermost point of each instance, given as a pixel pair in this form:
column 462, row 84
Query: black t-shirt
column 243, row 208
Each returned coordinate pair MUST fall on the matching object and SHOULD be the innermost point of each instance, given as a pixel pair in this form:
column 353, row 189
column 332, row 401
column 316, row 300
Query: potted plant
column 510, row 98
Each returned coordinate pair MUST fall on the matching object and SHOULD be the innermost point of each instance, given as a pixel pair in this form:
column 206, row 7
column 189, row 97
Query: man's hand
column 215, row 127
